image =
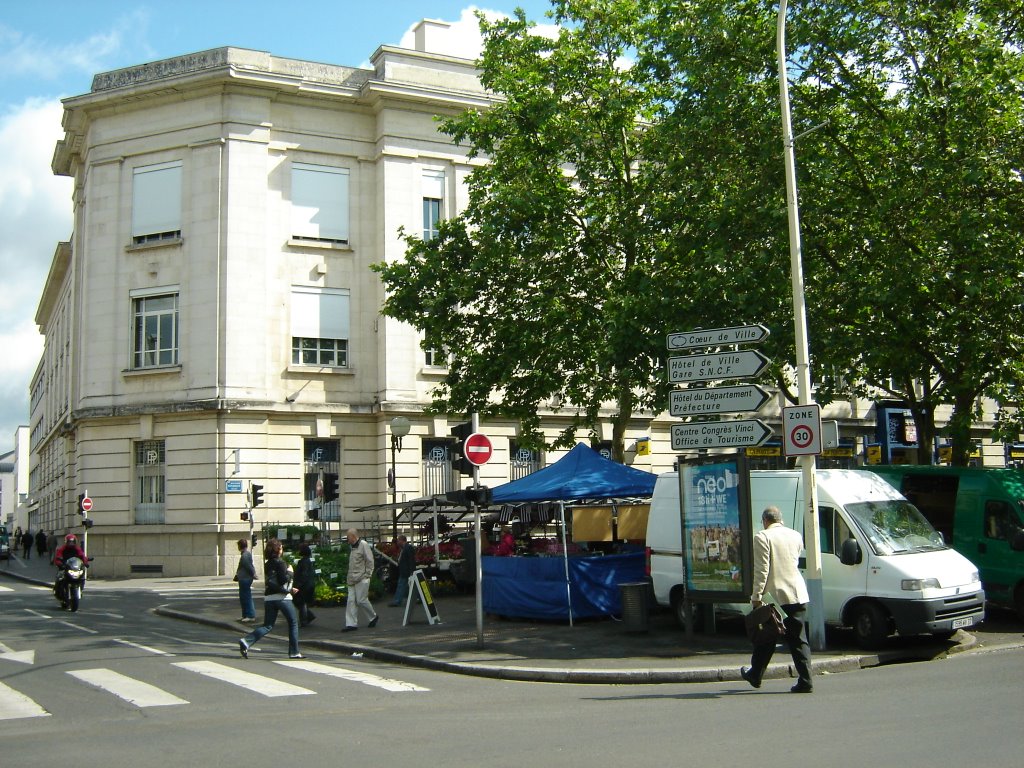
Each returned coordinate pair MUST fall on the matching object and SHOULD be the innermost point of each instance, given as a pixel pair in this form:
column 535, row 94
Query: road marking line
column 357, row 677
column 131, row 690
column 6, row 589
column 77, row 627
column 37, row 613
column 157, row 651
column 14, row 705
column 265, row 686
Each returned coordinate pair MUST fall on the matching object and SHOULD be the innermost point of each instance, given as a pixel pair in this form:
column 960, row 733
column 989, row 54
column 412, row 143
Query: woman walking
column 278, row 593
column 245, row 575
column 305, row 582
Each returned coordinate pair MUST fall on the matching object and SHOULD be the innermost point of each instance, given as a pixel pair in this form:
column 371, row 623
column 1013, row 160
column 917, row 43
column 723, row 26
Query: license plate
column 961, row 623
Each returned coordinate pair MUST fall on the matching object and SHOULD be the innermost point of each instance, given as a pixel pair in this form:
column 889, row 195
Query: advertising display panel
column 715, row 506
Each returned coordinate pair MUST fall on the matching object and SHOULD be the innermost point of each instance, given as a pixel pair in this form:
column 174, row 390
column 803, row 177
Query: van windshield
column 894, row 526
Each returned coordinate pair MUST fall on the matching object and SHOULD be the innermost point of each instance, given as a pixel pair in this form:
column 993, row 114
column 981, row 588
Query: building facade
column 213, row 323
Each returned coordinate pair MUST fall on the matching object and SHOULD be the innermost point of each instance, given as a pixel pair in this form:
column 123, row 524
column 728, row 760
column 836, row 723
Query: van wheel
column 1018, row 600
column 871, row 626
column 698, row 609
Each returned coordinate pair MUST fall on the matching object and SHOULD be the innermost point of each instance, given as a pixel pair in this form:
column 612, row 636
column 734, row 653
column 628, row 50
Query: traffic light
column 245, row 516
column 257, row 495
column 332, row 487
column 313, row 514
column 81, row 503
column 87, row 522
column 459, row 463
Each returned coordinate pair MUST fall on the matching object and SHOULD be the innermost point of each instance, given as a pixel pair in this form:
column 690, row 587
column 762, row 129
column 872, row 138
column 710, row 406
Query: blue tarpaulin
column 582, row 473
column 534, row 587
column 549, row 588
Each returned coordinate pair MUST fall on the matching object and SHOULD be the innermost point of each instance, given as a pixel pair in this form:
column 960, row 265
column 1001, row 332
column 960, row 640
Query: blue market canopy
column 582, row 473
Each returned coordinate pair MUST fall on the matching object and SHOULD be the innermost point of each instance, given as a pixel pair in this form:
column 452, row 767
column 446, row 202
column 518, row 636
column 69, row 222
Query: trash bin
column 634, row 606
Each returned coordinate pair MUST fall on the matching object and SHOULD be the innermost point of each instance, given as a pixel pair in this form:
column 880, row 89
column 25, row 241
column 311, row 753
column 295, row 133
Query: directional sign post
column 718, row 365
column 740, row 433
column 709, row 401
column 740, row 334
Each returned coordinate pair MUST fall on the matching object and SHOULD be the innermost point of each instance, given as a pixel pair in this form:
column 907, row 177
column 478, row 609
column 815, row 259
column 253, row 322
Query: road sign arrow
column 22, row 657
column 712, row 401
column 740, row 433
column 739, row 334
column 717, row 365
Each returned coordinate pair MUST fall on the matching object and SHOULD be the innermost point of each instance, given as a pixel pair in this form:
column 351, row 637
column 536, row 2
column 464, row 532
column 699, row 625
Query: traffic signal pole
column 475, row 421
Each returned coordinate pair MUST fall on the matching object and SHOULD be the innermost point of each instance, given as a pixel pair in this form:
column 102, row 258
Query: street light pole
column 400, row 427
column 812, row 542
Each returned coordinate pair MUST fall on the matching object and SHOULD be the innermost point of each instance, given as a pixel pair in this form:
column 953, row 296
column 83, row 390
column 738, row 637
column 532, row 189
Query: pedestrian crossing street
column 15, row 704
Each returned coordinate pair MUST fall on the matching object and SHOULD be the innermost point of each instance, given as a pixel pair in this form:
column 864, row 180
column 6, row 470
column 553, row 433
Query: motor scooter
column 70, row 583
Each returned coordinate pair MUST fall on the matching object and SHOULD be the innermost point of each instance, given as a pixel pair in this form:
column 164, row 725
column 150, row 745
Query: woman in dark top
column 278, row 592
column 305, row 582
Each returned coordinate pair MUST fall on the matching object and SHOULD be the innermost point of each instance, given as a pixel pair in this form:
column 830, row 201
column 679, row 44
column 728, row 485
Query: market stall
column 570, row 586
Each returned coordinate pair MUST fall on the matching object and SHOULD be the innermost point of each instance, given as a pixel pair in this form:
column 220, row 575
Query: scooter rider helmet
column 70, row 539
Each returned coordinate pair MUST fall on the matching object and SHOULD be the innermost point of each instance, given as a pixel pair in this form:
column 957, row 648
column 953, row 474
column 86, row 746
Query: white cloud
column 23, row 55
column 463, row 39
column 35, row 213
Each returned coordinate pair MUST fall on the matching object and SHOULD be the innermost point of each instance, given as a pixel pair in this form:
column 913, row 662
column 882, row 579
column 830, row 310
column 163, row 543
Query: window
column 320, row 327
column 1000, row 521
column 155, row 330
column 437, row 466
column 523, row 460
column 156, row 202
column 321, row 470
column 435, row 356
column 319, row 203
column 433, row 202
column 149, row 482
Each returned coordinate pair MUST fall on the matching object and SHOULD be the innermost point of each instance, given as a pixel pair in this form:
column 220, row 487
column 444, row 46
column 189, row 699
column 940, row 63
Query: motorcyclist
column 66, row 551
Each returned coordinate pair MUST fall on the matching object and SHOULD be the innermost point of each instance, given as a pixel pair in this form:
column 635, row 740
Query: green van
column 980, row 512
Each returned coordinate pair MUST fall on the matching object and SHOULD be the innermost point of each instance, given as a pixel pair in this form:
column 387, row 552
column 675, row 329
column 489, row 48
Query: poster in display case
column 714, row 498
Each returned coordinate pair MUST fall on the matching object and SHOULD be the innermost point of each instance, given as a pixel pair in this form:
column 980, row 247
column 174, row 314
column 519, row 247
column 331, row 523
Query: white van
column 884, row 568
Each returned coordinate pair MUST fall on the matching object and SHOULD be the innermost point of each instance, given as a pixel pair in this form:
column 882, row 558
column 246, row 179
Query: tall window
column 522, row 460
column 156, row 202
column 437, row 466
column 319, row 203
column 155, row 330
column 433, row 202
column 320, row 327
column 149, row 482
column 321, row 471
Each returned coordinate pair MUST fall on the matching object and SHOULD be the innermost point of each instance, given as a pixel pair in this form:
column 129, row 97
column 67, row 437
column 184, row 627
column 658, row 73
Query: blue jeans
column 245, row 598
column 401, row 591
column 271, row 607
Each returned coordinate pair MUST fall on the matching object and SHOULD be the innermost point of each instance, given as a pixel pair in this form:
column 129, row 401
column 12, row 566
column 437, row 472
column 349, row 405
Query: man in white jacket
column 776, row 571
column 360, row 570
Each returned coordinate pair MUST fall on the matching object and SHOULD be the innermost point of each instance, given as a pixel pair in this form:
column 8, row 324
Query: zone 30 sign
column 801, row 430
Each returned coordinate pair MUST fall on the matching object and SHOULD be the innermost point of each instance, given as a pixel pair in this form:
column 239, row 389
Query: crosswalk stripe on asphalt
column 265, row 686
column 15, row 705
column 356, row 677
column 133, row 691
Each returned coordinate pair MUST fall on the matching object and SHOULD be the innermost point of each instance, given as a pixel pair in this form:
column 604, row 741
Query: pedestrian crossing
column 15, row 704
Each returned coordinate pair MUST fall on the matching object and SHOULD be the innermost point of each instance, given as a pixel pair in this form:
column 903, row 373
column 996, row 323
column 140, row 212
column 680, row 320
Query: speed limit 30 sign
column 801, row 430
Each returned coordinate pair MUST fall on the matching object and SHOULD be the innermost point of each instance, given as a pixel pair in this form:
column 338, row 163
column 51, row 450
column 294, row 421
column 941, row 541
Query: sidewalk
column 591, row 651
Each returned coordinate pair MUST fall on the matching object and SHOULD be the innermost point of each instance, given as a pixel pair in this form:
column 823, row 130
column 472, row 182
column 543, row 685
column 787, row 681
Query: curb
column 565, row 675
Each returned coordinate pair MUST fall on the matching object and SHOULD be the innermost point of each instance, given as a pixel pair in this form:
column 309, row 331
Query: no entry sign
column 86, row 504
column 478, row 448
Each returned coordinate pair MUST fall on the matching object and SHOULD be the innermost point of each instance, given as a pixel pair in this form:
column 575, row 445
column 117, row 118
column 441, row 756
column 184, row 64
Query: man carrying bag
column 776, row 555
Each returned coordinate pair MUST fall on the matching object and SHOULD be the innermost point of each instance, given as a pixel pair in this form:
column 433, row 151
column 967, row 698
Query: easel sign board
column 420, row 587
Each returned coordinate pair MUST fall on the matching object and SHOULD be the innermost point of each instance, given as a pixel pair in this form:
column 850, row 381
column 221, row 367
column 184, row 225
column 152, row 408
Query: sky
column 50, row 49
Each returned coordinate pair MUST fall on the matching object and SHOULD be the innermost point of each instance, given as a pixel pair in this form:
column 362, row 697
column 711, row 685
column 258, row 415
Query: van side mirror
column 850, row 553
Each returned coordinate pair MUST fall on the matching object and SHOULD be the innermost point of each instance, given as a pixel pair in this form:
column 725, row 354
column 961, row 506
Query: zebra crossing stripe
column 265, row 686
column 133, row 691
column 356, row 677
column 5, row 589
column 14, row 705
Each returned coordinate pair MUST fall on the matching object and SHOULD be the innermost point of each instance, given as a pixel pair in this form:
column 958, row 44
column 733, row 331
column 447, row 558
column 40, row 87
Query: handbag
column 765, row 625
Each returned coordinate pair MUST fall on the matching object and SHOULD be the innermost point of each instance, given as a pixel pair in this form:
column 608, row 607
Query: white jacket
column 776, row 555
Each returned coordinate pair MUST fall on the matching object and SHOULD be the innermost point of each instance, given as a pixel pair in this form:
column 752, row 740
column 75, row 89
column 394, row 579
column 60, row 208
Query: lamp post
column 400, row 427
column 816, row 624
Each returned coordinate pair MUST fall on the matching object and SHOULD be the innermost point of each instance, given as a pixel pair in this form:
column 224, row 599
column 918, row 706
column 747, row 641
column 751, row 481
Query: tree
column 909, row 168
column 554, row 281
